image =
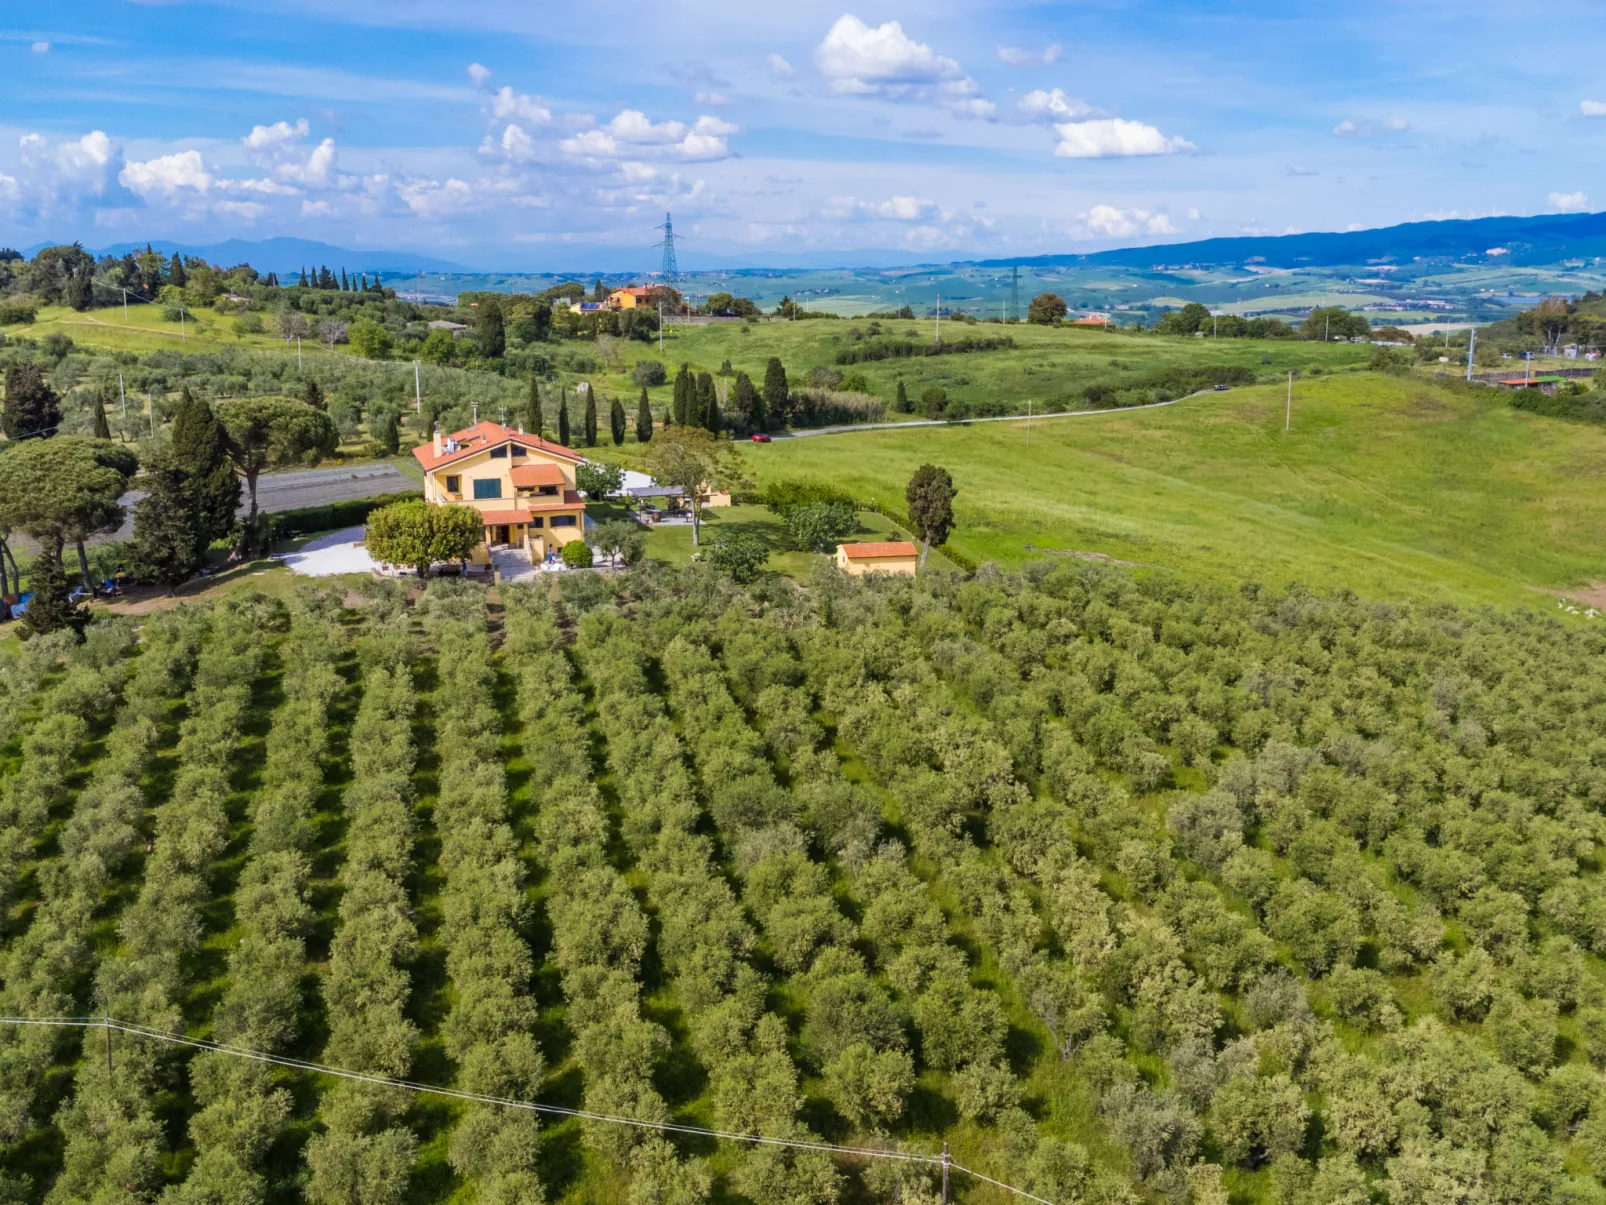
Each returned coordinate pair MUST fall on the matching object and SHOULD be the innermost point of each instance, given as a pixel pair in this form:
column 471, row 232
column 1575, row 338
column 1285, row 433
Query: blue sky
column 532, row 134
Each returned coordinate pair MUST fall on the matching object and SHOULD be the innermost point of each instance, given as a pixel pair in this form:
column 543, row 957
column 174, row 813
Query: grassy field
column 1391, row 487
column 1050, row 366
column 144, row 329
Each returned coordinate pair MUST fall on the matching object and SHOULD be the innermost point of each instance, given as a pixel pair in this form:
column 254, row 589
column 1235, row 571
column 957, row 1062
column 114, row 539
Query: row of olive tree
column 365, row 1154
column 600, row 932
column 46, row 960
column 241, row 1113
column 110, row 1126
column 706, row 942
column 490, row 1030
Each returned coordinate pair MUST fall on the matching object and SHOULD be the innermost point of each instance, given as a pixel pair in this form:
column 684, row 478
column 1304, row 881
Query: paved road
column 288, row 491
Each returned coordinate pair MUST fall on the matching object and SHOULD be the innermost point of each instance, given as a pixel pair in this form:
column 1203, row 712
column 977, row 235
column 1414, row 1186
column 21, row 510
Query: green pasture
column 1393, row 487
column 1048, row 366
column 144, row 329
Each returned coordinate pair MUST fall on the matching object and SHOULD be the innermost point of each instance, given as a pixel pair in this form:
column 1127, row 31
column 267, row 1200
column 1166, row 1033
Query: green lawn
column 1390, row 486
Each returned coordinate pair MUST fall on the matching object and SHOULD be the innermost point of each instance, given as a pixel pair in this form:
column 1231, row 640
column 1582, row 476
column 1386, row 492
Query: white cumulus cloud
column 1054, row 106
column 893, row 209
column 632, row 134
column 167, row 176
column 1021, row 56
column 280, row 133
column 479, row 74
column 506, row 103
column 887, row 62
column 1592, row 108
column 1569, row 202
column 779, row 67
column 1111, row 222
column 1114, row 138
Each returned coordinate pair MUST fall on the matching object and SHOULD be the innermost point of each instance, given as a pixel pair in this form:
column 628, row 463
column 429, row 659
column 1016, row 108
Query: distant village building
column 891, row 556
column 1094, row 319
column 456, row 328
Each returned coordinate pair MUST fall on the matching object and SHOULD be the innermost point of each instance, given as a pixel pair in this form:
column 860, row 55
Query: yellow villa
column 522, row 485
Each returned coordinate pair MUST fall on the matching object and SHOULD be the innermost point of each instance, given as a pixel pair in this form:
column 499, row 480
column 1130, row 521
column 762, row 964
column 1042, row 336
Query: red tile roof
column 531, row 475
column 495, row 518
column 859, row 552
column 487, row 435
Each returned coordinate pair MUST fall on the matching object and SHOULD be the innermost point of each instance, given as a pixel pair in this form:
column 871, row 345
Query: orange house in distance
column 522, row 485
column 892, row 556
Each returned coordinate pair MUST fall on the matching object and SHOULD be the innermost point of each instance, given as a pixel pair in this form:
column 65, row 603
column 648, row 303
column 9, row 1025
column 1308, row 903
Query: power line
column 110, row 1024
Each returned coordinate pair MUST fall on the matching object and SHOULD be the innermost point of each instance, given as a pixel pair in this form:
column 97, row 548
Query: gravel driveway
column 336, row 552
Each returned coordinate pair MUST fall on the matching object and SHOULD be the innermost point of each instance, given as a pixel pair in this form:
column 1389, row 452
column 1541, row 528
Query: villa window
column 499, row 453
column 517, row 451
column 537, row 521
column 488, row 487
column 550, row 490
column 454, row 485
column 564, row 521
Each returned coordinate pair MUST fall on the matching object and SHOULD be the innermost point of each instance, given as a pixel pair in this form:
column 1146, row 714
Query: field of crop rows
column 1123, row 888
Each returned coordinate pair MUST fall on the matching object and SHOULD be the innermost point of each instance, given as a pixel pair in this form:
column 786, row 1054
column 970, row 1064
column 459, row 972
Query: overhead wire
column 112, row 1024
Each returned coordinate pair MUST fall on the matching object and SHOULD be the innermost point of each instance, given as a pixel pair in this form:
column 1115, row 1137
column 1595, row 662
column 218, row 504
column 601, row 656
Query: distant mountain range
column 1522, row 241
column 1518, row 241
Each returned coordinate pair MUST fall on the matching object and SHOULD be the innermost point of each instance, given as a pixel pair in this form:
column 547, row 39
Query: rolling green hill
column 1387, row 486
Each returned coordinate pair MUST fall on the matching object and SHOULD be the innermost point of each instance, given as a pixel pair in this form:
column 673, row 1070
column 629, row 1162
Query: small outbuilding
column 891, row 556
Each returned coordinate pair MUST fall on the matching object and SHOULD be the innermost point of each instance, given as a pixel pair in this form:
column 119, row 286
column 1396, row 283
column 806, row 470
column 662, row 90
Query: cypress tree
column 563, row 419
column 534, row 420
column 170, row 536
column 492, row 332
column 31, row 406
column 616, row 421
column 591, row 418
column 102, row 429
column 312, row 395
column 684, row 390
column 704, row 403
column 303, row 278
column 175, row 272
column 713, row 420
column 81, row 289
column 49, row 610
column 901, row 403
column 643, row 418
column 776, row 391
column 345, row 285
column 200, row 452
column 749, row 401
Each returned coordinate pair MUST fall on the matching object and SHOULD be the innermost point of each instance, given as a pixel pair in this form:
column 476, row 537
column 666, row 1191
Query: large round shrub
column 576, row 554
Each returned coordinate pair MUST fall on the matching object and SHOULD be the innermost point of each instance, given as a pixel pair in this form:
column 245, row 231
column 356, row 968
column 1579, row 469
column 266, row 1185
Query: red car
column 761, row 438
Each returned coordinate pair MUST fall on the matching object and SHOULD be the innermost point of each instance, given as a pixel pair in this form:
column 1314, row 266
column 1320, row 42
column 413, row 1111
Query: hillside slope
column 1389, row 486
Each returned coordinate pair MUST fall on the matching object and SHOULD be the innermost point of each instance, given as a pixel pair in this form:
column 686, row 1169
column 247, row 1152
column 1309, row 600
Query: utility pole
column 1028, row 422
column 122, row 396
column 1327, row 326
column 418, row 391
column 476, row 414
column 298, row 353
column 939, row 317
column 660, row 327
column 1288, row 414
column 945, row 1162
column 1472, row 345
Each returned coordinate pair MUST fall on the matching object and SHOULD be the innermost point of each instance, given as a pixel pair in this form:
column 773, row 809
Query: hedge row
column 906, row 349
column 335, row 515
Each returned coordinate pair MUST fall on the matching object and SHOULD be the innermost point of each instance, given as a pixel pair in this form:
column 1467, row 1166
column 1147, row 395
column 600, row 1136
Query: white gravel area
column 336, row 552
